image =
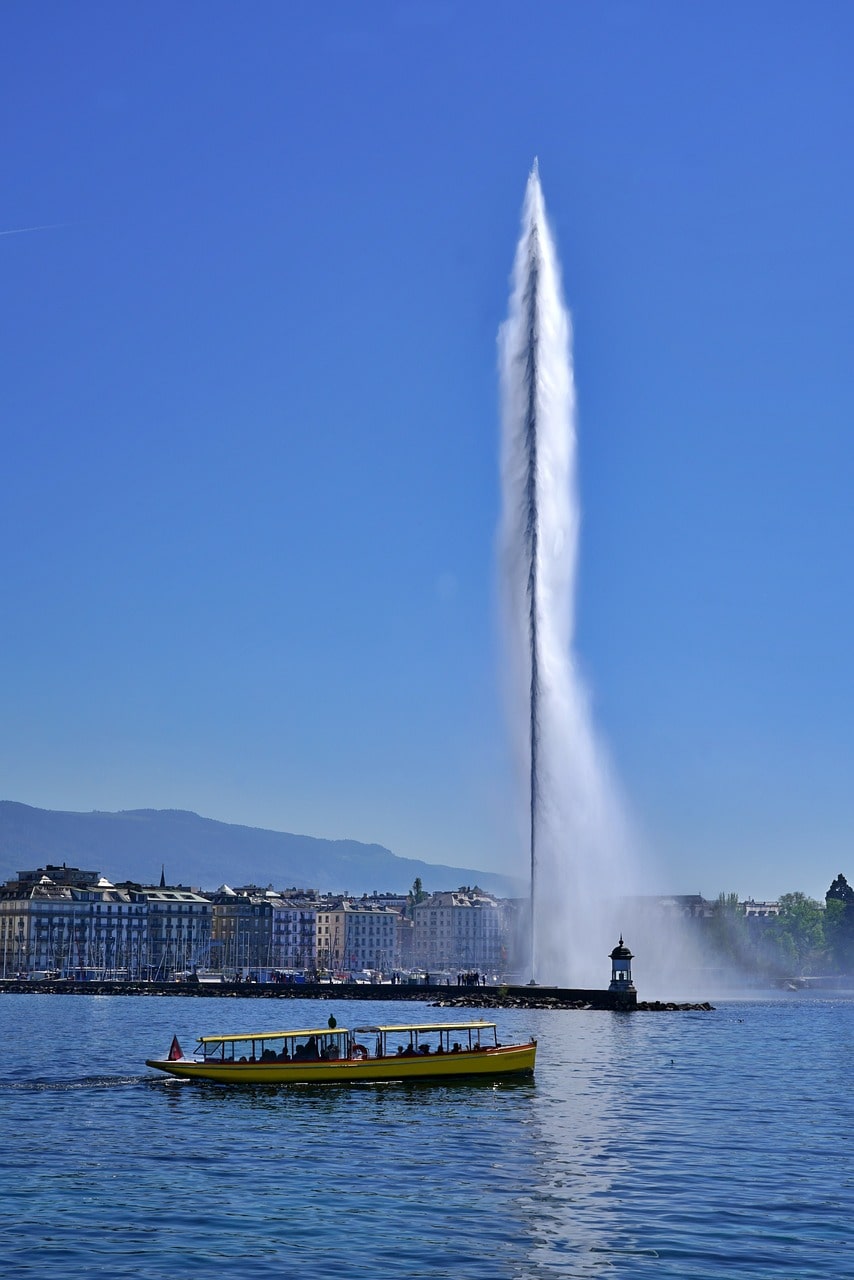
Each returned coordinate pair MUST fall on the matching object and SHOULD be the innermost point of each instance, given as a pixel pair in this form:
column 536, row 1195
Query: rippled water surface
column 653, row 1145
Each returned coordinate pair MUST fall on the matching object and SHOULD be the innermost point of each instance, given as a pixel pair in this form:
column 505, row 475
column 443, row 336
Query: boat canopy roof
column 276, row 1035
column 426, row 1026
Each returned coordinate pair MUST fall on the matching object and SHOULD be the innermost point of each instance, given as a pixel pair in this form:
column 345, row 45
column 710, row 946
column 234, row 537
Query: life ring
column 358, row 1053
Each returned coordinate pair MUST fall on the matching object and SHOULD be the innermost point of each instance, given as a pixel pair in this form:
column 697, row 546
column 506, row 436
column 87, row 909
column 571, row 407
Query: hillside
column 135, row 843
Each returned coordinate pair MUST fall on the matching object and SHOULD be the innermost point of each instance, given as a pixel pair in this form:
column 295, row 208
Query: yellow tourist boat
column 336, row 1055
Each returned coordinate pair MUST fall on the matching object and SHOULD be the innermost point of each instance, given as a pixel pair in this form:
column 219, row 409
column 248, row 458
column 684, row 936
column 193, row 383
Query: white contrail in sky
column 19, row 231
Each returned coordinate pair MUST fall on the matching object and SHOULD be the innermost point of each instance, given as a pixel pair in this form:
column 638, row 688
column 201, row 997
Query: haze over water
column 693, row 1146
column 574, row 821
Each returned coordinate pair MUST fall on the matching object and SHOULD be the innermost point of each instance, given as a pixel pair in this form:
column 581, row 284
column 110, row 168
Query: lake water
column 648, row 1145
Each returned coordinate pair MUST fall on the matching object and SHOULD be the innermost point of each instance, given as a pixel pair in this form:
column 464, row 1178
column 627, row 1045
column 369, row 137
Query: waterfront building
column 760, row 910
column 241, row 930
column 404, row 946
column 459, row 931
column 294, row 929
column 370, row 936
column 330, row 934
column 397, row 900
column 178, row 937
column 669, row 907
column 65, row 922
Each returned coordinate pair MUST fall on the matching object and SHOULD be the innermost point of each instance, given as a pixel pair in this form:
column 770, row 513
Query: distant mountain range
column 135, row 843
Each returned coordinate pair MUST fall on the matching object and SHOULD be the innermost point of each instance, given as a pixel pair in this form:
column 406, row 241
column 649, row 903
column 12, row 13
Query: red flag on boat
column 175, row 1050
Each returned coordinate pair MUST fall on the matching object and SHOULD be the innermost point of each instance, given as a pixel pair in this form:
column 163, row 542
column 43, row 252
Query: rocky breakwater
column 670, row 1006
column 533, row 999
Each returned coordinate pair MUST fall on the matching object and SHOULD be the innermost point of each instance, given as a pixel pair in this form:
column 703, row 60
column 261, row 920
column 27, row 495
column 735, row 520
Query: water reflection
column 574, row 1159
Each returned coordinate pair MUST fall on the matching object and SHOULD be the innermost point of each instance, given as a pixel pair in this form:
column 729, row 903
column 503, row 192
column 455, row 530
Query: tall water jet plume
column 573, row 814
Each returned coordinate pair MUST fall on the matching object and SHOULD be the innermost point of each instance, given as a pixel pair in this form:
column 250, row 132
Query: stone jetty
column 439, row 996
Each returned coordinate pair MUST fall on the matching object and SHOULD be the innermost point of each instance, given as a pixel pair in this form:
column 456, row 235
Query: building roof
column 170, row 895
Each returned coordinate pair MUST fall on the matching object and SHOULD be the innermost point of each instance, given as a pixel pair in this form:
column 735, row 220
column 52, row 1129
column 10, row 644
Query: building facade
column 62, row 922
column 370, row 937
column 241, row 931
column 459, row 931
column 330, row 935
column 178, row 936
column 294, row 926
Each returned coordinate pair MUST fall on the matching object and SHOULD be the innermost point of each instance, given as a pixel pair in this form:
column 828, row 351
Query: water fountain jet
column 574, row 818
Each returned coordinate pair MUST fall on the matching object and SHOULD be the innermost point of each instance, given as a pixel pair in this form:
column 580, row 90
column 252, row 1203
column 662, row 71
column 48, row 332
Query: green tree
column 839, row 925
column 798, row 932
column 835, row 934
column 840, row 891
column 416, row 894
column 727, row 931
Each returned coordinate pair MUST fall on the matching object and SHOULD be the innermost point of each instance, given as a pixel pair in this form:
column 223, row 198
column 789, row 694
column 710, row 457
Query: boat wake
column 76, row 1083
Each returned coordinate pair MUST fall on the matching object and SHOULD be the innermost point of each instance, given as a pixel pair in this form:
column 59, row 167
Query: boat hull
column 509, row 1060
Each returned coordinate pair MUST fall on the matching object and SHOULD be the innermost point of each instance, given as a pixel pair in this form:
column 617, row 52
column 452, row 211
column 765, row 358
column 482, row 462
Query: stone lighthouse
column 625, row 995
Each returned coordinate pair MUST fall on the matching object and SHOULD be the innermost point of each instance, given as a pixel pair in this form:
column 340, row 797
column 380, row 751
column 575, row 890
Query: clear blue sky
column 250, row 429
